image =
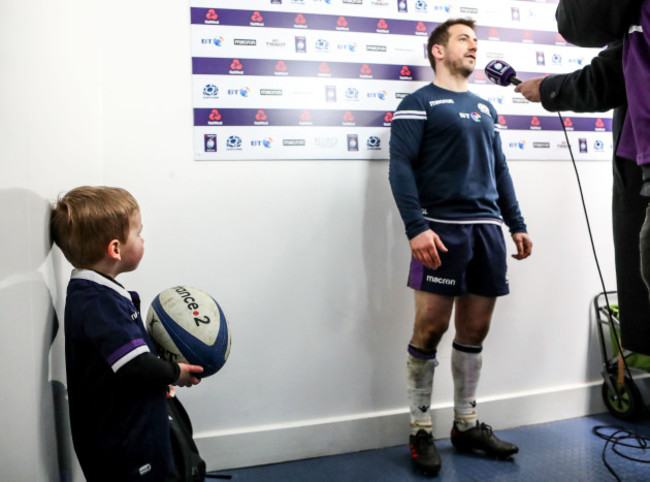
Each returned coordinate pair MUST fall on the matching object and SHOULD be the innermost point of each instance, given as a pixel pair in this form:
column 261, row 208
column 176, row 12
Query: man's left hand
column 524, row 245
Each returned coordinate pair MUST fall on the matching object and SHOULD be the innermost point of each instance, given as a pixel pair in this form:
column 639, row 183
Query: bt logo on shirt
column 475, row 116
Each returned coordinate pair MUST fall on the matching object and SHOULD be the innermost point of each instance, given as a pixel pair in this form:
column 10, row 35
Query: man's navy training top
column 446, row 162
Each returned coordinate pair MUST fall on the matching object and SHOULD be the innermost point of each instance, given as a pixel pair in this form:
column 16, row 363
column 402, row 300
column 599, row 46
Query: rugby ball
column 187, row 325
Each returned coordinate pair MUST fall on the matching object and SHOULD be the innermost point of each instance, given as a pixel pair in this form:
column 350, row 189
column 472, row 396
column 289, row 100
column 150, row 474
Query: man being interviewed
column 453, row 189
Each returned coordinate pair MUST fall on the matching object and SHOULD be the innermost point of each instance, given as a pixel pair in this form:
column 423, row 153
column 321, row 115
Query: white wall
column 308, row 259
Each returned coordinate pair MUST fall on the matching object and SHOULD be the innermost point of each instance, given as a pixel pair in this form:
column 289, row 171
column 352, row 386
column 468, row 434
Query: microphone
column 501, row 73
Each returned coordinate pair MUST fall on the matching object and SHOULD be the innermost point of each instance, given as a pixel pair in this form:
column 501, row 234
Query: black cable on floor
column 621, row 437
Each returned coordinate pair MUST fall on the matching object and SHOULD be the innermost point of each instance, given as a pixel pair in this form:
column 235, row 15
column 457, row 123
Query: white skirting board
column 269, row 444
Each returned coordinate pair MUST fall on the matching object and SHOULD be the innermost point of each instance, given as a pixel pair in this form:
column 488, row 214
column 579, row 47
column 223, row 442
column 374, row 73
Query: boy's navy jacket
column 120, row 430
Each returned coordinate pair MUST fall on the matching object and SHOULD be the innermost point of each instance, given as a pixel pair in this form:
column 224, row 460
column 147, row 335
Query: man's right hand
column 425, row 248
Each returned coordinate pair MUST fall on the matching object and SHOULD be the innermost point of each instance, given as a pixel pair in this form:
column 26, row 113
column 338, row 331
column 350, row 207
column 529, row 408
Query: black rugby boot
column 423, row 453
column 482, row 438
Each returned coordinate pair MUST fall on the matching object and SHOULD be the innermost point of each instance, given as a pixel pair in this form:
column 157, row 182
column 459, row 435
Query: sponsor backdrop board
column 320, row 79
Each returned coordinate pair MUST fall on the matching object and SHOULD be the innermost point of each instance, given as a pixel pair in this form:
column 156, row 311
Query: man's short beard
column 457, row 68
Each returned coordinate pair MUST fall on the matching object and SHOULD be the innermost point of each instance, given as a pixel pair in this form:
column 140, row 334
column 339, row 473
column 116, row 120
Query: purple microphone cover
column 499, row 72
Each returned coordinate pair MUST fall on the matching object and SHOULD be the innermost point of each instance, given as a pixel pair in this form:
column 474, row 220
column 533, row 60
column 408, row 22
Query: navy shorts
column 474, row 263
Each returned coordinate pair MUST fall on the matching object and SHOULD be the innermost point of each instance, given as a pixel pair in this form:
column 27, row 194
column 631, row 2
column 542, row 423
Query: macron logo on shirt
column 434, row 103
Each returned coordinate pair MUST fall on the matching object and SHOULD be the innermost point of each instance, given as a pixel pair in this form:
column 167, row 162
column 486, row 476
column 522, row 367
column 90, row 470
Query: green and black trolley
column 620, row 393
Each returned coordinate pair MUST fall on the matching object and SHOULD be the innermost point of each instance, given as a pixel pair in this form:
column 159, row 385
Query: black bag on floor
column 190, row 467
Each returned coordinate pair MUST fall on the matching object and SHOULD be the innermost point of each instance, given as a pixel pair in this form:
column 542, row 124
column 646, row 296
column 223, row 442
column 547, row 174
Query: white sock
column 419, row 382
column 466, row 364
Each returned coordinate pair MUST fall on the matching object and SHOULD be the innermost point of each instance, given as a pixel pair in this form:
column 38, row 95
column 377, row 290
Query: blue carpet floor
column 566, row 450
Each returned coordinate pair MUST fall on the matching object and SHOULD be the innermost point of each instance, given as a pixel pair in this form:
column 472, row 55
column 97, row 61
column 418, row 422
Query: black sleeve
column 149, row 370
column 597, row 87
column 595, row 23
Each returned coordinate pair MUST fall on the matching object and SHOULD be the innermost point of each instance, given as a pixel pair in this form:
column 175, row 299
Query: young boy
column 116, row 384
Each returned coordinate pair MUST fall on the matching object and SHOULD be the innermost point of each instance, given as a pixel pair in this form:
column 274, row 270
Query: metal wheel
column 626, row 402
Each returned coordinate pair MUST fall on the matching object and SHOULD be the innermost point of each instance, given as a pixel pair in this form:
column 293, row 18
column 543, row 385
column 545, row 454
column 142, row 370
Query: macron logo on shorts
column 441, row 281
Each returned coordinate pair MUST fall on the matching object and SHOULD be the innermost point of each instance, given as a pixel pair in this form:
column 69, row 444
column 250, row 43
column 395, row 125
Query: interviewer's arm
column 597, row 87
